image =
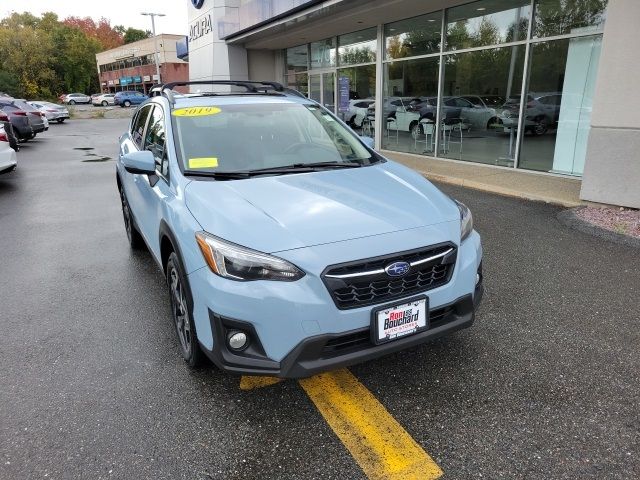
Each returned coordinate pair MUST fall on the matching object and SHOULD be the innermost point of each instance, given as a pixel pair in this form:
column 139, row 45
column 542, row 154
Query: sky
column 119, row 12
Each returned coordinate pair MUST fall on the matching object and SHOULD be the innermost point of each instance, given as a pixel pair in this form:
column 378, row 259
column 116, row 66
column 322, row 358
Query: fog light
column 237, row 340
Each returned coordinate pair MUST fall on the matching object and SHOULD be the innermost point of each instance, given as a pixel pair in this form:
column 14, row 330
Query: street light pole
column 155, row 40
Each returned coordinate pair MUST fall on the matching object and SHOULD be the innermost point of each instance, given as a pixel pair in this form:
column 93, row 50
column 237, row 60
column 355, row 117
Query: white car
column 105, row 99
column 8, row 158
column 358, row 111
column 52, row 112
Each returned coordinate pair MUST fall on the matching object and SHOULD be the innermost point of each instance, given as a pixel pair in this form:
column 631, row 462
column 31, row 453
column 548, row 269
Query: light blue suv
column 290, row 246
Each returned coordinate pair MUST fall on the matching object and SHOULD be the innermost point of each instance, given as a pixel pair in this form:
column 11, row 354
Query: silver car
column 52, row 111
column 74, row 98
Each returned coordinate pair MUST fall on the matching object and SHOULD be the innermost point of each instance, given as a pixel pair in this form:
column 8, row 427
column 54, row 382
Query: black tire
column 60, row 120
column 105, row 103
column 135, row 239
column 126, row 103
column 493, row 123
column 181, row 311
column 541, row 127
column 72, row 102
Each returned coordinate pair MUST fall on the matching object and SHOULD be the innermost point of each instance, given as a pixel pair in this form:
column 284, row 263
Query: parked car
column 358, row 111
column 105, row 99
column 289, row 245
column 52, row 111
column 8, row 158
column 73, row 98
column 408, row 118
column 5, row 122
column 36, row 117
column 19, row 119
column 126, row 98
column 484, row 110
column 538, row 117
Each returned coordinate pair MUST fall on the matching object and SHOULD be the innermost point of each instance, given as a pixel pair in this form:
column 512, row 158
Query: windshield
column 245, row 137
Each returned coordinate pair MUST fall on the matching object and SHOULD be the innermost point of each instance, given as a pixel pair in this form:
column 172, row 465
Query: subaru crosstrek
column 288, row 244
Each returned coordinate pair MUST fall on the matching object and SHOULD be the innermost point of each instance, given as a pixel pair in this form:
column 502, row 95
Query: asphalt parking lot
column 545, row 385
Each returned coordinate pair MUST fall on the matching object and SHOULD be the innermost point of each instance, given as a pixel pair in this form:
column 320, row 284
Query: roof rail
column 250, row 86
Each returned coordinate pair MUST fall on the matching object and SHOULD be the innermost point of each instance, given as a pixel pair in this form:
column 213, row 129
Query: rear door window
column 138, row 124
column 154, row 139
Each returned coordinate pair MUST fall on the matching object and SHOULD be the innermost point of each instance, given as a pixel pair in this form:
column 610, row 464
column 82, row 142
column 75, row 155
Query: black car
column 19, row 119
column 8, row 130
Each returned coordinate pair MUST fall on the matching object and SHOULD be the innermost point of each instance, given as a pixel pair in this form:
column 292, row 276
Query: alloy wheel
column 180, row 311
column 126, row 213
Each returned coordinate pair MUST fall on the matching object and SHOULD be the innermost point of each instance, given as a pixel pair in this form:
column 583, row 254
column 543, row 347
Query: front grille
column 361, row 339
column 364, row 282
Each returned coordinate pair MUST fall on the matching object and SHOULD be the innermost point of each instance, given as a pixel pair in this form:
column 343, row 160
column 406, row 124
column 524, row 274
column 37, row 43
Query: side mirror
column 139, row 162
column 368, row 141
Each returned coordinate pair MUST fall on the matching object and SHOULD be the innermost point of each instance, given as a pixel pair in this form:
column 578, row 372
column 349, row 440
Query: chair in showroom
column 452, row 129
column 428, row 129
column 392, row 126
column 368, row 126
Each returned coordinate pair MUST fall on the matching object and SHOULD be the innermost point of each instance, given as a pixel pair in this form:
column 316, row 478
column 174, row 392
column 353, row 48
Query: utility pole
column 155, row 40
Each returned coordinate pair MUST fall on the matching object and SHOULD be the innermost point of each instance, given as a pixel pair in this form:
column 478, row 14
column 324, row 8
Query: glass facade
column 500, row 82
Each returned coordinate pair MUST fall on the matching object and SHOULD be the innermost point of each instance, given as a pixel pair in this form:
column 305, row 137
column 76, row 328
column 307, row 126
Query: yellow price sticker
column 203, row 162
column 195, row 111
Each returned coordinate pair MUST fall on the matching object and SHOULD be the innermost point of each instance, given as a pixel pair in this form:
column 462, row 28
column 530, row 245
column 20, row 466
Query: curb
column 485, row 187
column 570, row 219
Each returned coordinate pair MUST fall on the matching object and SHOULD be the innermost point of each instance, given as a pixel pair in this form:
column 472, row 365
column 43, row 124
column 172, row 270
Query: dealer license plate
column 398, row 321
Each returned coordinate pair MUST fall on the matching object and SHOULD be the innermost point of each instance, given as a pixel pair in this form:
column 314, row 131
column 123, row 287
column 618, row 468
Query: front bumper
column 284, row 316
column 330, row 351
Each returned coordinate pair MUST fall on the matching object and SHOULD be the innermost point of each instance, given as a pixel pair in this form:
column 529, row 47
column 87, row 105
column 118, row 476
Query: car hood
column 278, row 213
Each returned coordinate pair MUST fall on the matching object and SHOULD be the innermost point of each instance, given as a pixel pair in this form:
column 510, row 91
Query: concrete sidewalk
column 505, row 181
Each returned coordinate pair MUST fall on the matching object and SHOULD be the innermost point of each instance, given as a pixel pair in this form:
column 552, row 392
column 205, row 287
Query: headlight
column 243, row 264
column 466, row 220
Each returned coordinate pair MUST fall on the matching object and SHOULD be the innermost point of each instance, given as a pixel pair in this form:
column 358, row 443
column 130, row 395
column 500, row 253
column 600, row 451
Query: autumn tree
column 107, row 36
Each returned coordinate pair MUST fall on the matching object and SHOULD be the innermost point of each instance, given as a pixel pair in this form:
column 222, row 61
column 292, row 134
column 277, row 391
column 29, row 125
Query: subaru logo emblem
column 197, row 3
column 397, row 269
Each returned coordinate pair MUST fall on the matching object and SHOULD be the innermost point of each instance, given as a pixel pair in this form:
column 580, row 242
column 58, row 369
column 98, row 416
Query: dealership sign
column 200, row 28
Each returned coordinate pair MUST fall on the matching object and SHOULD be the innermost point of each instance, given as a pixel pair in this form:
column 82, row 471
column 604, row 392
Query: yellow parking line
column 382, row 448
column 250, row 382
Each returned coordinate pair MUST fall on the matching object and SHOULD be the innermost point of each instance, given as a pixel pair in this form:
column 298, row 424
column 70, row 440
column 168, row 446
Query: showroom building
column 546, row 86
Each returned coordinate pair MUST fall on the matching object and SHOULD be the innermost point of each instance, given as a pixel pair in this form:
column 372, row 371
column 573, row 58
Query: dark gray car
column 35, row 116
column 8, row 130
column 19, row 119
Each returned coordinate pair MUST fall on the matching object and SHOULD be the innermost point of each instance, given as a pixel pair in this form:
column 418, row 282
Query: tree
column 134, row 34
column 108, row 37
column 41, row 57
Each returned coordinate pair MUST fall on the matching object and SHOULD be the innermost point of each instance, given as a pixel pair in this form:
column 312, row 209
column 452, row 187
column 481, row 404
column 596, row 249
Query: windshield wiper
column 219, row 175
column 283, row 170
column 304, row 167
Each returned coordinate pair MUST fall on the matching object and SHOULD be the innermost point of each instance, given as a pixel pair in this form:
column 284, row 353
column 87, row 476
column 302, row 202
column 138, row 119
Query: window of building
column 558, row 109
column 297, row 59
column 475, row 88
column 357, row 47
column 560, row 17
column 323, row 54
column 487, row 22
column 415, row 36
column 410, row 101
